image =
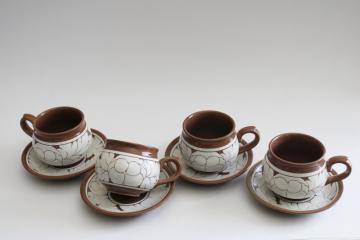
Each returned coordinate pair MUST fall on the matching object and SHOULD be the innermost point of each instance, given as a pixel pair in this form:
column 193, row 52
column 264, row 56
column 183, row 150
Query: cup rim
column 153, row 151
column 229, row 134
column 286, row 162
column 43, row 113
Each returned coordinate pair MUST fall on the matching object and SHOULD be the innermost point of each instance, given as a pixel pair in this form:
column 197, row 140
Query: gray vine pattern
column 231, row 170
column 209, row 161
column 92, row 154
column 58, row 154
column 99, row 197
column 293, row 187
column 321, row 198
column 126, row 170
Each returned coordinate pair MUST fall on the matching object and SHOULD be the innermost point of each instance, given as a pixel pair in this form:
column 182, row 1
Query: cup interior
column 59, row 119
column 133, row 148
column 209, row 124
column 297, row 148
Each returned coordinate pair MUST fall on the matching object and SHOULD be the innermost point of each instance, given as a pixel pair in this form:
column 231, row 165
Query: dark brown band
column 296, row 153
column 133, row 148
column 123, row 190
column 61, row 137
column 295, row 168
column 204, row 143
column 56, row 135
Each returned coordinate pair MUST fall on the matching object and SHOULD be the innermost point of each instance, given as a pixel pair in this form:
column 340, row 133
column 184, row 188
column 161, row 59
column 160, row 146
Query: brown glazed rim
column 292, row 166
column 215, row 182
column 152, row 150
column 64, row 177
column 119, row 214
column 59, row 136
column 215, row 141
column 282, row 210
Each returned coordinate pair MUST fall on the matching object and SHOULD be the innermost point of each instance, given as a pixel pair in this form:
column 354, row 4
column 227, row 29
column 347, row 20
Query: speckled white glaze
column 127, row 170
column 63, row 153
column 293, row 185
column 209, row 159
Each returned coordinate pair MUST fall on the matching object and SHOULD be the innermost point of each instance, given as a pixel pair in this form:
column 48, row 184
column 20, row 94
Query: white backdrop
column 138, row 68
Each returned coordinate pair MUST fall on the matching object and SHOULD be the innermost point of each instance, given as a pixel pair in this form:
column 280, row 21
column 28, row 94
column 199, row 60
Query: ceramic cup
column 295, row 168
column 209, row 142
column 60, row 136
column 131, row 169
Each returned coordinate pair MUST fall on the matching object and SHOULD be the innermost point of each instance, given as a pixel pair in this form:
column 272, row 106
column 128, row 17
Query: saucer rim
column 288, row 211
column 86, row 200
column 60, row 177
column 212, row 182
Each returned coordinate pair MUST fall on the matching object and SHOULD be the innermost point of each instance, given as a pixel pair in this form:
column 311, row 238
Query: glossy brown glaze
column 338, row 177
column 55, row 124
column 133, row 148
column 296, row 152
column 301, row 153
column 213, row 129
column 132, row 192
column 208, row 129
column 165, row 163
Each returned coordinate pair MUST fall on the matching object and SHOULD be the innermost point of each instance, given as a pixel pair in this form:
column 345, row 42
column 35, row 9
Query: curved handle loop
column 25, row 126
column 338, row 177
column 253, row 143
column 174, row 174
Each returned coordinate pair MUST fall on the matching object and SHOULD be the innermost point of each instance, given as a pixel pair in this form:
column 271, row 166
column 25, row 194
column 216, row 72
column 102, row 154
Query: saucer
column 96, row 196
column 322, row 200
column 37, row 168
column 242, row 163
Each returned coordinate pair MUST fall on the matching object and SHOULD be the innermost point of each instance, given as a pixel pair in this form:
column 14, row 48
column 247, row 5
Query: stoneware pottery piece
column 322, row 200
column 209, row 142
column 241, row 164
column 98, row 198
column 295, row 167
column 132, row 169
column 60, row 136
column 40, row 169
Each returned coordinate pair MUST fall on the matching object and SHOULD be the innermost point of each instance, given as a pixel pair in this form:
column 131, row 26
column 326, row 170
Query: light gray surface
column 138, row 68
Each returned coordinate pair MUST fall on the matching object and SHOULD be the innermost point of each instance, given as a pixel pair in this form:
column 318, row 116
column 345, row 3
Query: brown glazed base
column 293, row 200
column 121, row 198
column 287, row 211
column 65, row 177
column 70, row 165
column 215, row 182
column 124, row 191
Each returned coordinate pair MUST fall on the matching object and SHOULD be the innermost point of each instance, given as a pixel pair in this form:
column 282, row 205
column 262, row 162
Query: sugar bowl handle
column 338, row 177
column 24, row 123
column 253, row 143
column 174, row 174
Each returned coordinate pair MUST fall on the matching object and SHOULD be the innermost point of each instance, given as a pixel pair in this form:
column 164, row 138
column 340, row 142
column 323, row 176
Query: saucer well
column 96, row 196
column 323, row 200
column 37, row 168
column 243, row 162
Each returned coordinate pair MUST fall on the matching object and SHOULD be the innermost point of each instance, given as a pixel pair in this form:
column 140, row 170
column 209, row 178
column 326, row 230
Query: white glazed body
column 209, row 159
column 63, row 153
column 290, row 185
column 127, row 170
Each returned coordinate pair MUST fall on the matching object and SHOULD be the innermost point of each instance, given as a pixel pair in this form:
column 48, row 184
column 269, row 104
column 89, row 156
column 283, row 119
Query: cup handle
column 25, row 126
column 174, row 174
column 253, row 143
column 338, row 177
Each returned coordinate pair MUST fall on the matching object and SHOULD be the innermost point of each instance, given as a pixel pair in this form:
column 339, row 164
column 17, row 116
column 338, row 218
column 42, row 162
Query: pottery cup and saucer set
column 125, row 179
